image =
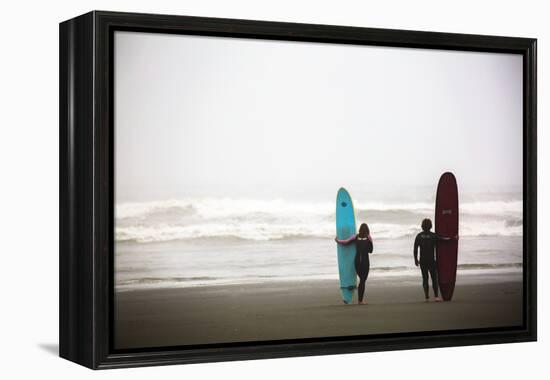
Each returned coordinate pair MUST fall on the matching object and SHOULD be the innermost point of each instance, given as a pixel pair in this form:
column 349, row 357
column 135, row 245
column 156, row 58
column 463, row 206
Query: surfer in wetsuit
column 363, row 244
column 426, row 241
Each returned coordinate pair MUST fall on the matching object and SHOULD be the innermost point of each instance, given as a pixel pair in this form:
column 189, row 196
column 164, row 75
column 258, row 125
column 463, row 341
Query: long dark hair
column 364, row 231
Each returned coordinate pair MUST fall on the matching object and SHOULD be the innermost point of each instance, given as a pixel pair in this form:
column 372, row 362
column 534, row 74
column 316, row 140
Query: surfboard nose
column 342, row 193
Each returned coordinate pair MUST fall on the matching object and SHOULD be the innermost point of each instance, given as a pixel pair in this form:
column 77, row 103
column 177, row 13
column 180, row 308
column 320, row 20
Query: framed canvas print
column 235, row 189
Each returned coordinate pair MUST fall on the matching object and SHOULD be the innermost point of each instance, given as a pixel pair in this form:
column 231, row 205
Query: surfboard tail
column 347, row 294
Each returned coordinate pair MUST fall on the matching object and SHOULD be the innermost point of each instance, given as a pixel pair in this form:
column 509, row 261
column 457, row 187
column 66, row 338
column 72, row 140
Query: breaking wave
column 261, row 220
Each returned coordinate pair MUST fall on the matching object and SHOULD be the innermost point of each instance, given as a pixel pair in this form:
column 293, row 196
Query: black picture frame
column 86, row 188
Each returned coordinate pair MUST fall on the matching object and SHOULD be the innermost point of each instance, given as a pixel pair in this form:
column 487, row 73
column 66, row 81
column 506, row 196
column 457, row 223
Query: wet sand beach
column 306, row 309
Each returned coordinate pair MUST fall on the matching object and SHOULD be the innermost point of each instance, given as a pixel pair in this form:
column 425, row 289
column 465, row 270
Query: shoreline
column 204, row 263
column 275, row 310
column 411, row 273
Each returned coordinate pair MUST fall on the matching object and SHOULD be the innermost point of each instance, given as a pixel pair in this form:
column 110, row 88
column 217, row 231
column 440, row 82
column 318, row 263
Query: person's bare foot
column 438, row 299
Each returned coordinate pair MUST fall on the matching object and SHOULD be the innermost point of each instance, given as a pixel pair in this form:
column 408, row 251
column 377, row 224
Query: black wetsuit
column 427, row 241
column 362, row 263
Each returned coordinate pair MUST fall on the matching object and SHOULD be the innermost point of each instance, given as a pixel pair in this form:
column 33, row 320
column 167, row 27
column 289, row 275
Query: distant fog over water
column 229, row 153
column 204, row 116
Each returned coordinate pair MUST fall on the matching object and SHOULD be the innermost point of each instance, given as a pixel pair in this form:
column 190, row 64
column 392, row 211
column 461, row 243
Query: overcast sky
column 222, row 116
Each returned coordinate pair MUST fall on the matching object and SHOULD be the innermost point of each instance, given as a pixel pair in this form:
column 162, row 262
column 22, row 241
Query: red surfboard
column 446, row 225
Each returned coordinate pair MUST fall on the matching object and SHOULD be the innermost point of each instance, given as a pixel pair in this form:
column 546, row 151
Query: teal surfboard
column 345, row 228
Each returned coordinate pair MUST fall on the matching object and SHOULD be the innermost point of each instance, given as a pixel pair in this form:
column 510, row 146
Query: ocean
column 203, row 241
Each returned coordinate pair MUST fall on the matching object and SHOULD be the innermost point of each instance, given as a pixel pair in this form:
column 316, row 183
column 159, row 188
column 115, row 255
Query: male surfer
column 426, row 241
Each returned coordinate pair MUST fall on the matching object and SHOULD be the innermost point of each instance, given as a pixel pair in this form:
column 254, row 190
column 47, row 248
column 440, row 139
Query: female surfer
column 426, row 241
column 363, row 244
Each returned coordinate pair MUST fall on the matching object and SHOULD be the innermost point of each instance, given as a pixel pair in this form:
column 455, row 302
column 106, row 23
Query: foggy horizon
column 219, row 116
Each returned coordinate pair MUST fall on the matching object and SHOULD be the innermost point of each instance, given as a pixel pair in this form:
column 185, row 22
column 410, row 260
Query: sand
column 307, row 309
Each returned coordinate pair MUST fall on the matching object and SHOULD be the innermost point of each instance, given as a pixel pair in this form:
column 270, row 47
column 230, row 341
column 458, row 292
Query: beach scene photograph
column 273, row 190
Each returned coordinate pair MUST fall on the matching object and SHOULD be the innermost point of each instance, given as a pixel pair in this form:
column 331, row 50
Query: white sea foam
column 278, row 219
